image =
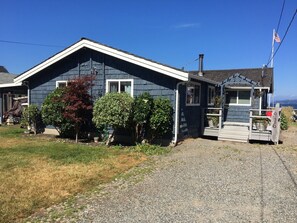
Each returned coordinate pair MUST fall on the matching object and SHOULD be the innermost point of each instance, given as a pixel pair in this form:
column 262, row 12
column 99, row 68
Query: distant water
column 294, row 105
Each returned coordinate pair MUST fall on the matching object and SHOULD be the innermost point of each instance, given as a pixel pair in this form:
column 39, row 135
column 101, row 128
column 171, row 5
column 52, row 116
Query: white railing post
column 220, row 119
column 251, row 123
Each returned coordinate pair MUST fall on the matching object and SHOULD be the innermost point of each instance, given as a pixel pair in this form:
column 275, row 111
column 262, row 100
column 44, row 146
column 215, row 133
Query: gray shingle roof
column 254, row 74
column 6, row 78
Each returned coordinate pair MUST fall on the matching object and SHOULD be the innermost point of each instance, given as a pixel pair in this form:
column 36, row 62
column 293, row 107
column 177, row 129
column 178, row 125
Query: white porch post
column 260, row 101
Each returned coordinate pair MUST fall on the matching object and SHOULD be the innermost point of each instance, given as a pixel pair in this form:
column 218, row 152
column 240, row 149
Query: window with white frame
column 238, row 97
column 120, row 86
column 60, row 84
column 211, row 95
column 193, row 94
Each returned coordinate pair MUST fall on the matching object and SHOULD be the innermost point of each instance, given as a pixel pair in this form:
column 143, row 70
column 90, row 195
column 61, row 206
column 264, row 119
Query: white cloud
column 187, row 25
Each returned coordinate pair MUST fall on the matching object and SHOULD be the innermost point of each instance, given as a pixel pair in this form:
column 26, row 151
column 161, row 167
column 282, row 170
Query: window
column 120, row 85
column 193, row 95
column 211, row 95
column 238, row 97
column 61, row 84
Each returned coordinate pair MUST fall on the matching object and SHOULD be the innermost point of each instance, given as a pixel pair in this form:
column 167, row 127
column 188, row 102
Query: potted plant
column 261, row 123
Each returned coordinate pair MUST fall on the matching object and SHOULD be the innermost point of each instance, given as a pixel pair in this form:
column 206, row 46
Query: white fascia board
column 181, row 75
column 49, row 62
column 10, row 85
column 184, row 76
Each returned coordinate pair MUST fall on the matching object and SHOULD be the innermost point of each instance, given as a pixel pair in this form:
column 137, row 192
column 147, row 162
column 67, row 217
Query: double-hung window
column 193, row 94
column 120, row 86
column 211, row 95
column 238, row 97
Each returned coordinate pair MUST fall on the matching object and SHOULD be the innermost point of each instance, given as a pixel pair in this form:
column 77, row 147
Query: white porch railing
column 211, row 121
column 264, row 124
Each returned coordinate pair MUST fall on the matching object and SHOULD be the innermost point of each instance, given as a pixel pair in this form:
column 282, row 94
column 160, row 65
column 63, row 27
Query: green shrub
column 52, row 113
column 288, row 112
column 284, row 122
column 113, row 110
column 161, row 119
column 31, row 117
column 142, row 109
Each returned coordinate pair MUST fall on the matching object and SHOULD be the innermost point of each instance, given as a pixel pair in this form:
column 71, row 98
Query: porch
column 263, row 125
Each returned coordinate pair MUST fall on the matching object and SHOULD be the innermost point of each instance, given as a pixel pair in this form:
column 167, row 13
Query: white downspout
column 177, row 105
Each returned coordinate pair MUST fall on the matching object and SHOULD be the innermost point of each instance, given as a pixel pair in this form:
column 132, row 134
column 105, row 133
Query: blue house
column 191, row 93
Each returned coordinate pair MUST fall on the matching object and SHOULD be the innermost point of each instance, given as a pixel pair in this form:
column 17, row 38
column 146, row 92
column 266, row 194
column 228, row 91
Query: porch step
column 236, row 132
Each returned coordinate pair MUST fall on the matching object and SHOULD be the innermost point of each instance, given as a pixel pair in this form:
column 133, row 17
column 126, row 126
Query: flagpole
column 271, row 65
column 272, row 48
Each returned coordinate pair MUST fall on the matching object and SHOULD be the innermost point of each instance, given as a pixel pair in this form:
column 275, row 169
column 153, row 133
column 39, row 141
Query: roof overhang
column 85, row 43
column 203, row 79
column 10, row 85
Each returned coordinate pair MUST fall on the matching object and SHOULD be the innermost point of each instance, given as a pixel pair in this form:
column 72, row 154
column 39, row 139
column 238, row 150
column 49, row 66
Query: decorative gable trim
column 85, row 43
column 238, row 79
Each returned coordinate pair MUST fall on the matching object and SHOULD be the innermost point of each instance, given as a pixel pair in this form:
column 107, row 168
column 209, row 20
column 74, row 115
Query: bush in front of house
column 142, row 110
column 52, row 113
column 161, row 119
column 78, row 102
column 113, row 110
column 69, row 108
column 283, row 121
column 31, row 117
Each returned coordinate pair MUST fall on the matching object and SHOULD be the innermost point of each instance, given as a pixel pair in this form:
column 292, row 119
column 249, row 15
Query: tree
column 161, row 118
column 78, row 102
column 142, row 109
column 113, row 109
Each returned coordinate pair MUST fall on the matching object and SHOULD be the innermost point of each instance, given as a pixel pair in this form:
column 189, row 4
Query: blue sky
column 231, row 33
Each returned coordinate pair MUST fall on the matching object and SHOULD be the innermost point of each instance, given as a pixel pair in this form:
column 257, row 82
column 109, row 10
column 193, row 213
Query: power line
column 272, row 57
column 31, row 44
column 278, row 24
column 280, row 17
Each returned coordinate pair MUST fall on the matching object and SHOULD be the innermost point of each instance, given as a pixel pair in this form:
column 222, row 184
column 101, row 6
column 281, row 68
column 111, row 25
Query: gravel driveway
column 207, row 181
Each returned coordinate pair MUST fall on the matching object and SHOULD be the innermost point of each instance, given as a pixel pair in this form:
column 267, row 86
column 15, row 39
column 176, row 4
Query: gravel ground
column 204, row 181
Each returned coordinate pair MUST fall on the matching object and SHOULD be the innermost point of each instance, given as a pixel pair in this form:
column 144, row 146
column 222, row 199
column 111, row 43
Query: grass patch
column 36, row 172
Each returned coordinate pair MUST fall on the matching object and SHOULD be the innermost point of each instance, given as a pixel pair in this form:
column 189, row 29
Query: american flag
column 276, row 38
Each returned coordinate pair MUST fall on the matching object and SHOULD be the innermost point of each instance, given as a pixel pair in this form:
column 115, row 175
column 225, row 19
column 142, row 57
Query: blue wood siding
column 85, row 62
column 190, row 116
column 240, row 113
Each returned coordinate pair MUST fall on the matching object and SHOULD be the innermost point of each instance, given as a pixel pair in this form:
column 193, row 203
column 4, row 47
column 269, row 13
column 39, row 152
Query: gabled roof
column 90, row 44
column 6, row 78
column 238, row 80
column 254, row 74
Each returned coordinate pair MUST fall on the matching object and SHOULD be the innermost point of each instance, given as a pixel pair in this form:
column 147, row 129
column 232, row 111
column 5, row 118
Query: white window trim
column 58, row 82
column 120, row 80
column 190, row 85
column 233, row 104
column 213, row 88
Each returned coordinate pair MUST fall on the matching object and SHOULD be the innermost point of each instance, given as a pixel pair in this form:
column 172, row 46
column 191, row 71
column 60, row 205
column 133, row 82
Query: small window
column 121, row 85
column 211, row 95
column 193, row 95
column 238, row 97
column 60, row 84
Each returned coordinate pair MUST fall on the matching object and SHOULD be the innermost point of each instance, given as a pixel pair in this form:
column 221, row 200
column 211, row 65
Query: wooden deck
column 237, row 132
column 244, row 132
